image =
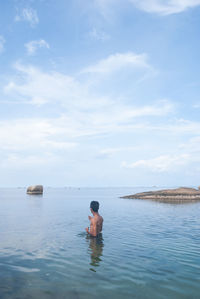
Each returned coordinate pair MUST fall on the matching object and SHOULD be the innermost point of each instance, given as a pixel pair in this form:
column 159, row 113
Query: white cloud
column 28, row 15
column 13, row 160
column 105, row 7
column 85, row 112
column 113, row 150
column 165, row 7
column 84, row 115
column 196, row 106
column 160, row 164
column 31, row 142
column 122, row 117
column 2, row 42
column 109, row 152
column 40, row 87
column 98, row 35
column 33, row 135
column 179, row 127
column 118, row 61
column 95, row 114
column 184, row 156
column 192, row 146
column 32, row 46
column 161, row 7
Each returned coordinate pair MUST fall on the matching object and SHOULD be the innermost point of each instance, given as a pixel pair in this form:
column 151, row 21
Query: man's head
column 94, row 206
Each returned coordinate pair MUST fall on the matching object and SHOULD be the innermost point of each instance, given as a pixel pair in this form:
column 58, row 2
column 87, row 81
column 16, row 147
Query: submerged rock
column 37, row 189
column 182, row 194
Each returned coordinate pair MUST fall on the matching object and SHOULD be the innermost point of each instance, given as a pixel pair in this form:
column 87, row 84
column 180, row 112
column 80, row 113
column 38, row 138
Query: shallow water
column 147, row 249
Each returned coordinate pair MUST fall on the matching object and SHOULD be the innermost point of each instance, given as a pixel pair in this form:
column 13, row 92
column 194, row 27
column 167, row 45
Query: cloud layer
column 117, row 62
column 165, row 7
column 34, row 45
column 29, row 15
column 87, row 114
column 161, row 7
column 2, row 42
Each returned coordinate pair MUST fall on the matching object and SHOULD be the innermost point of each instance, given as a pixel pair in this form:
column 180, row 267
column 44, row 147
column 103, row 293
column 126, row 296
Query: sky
column 99, row 93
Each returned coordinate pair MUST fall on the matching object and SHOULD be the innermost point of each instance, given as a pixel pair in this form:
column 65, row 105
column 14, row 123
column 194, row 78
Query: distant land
column 178, row 194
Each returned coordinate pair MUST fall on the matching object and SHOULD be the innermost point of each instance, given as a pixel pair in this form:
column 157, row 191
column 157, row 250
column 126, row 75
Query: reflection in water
column 96, row 250
column 29, row 195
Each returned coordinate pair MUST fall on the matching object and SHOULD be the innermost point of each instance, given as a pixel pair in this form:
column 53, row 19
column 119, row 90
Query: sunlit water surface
column 147, row 249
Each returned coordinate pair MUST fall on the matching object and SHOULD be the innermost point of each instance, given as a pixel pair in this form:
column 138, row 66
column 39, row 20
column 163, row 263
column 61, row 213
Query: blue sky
column 99, row 92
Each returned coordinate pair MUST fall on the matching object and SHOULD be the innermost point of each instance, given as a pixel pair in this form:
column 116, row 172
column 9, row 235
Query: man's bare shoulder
column 100, row 219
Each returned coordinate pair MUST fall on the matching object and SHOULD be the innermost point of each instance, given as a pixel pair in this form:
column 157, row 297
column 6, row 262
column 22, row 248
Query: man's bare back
column 96, row 222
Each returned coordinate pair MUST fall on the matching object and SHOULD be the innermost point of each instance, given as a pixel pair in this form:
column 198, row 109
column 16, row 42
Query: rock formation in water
column 181, row 194
column 37, row 189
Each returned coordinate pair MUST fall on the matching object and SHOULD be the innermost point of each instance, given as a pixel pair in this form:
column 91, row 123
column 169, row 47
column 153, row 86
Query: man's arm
column 90, row 232
column 87, row 228
column 93, row 228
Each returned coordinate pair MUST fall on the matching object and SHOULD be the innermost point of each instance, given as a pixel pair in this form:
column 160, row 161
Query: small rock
column 37, row 189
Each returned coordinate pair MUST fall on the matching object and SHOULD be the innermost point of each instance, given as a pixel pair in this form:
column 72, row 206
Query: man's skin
column 96, row 224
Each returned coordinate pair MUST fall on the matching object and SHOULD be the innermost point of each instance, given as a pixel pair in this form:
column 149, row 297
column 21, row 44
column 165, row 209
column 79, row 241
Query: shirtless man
column 96, row 222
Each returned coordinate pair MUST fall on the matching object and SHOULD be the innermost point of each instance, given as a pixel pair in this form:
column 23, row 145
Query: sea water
column 147, row 250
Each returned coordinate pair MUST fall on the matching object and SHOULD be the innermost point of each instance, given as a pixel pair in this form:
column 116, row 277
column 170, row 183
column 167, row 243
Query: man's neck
column 95, row 213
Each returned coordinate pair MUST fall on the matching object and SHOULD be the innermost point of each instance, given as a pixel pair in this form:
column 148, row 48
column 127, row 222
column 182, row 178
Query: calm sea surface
column 147, row 249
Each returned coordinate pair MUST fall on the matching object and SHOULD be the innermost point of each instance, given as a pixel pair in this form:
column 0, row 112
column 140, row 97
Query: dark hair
column 94, row 205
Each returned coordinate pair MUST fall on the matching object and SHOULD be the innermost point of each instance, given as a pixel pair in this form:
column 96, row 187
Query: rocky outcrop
column 37, row 189
column 182, row 194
